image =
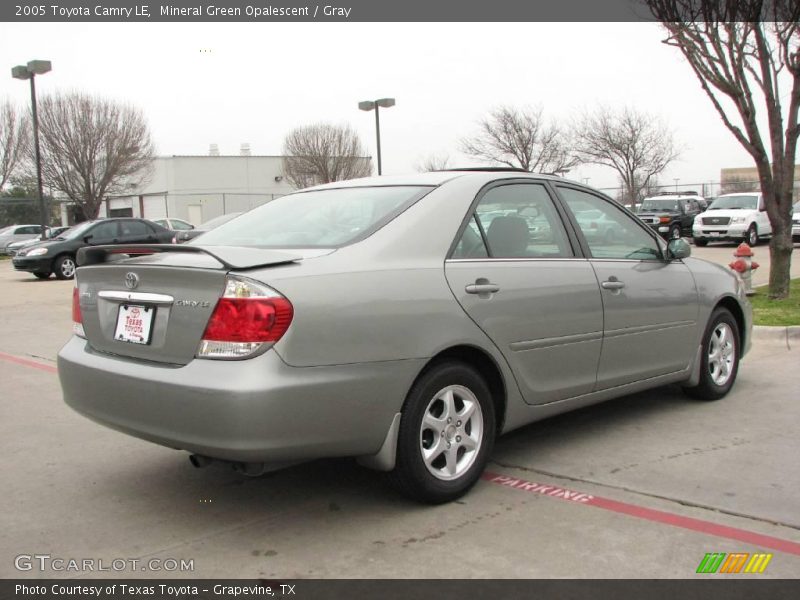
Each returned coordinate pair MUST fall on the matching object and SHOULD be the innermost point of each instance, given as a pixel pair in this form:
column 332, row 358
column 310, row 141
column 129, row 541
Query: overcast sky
column 252, row 82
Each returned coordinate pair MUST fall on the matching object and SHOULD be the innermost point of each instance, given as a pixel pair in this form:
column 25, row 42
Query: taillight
column 664, row 219
column 247, row 318
column 77, row 317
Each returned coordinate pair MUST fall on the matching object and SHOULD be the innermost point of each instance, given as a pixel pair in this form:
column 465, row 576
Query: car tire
column 752, row 235
column 448, row 404
column 700, row 242
column 64, row 267
column 42, row 275
column 675, row 232
column 719, row 358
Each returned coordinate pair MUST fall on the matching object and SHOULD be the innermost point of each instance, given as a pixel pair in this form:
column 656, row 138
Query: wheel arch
column 732, row 305
column 488, row 368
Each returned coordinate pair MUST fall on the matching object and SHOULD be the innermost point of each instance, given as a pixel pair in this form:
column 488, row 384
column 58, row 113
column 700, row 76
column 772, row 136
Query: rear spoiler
column 231, row 257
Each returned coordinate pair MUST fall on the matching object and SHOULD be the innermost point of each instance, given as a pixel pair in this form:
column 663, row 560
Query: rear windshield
column 735, row 202
column 316, row 219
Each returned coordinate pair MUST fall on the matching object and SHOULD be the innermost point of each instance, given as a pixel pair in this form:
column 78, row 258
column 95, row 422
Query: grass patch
column 777, row 312
column 5, row 257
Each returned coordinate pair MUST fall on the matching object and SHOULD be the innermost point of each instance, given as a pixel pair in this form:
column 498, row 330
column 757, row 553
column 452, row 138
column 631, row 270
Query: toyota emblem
column 131, row 280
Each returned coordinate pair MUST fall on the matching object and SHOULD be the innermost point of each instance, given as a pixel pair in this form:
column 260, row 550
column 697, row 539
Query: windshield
column 77, row 230
column 316, row 219
column 739, row 201
column 670, row 205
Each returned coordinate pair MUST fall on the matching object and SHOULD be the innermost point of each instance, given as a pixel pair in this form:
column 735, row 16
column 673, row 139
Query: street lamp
column 368, row 105
column 30, row 71
column 676, row 180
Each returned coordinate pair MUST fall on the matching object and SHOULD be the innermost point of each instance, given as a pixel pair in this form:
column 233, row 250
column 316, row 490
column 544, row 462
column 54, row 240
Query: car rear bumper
column 257, row 410
column 39, row 264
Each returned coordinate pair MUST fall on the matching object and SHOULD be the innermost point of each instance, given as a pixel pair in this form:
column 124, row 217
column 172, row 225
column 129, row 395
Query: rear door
column 515, row 272
column 650, row 305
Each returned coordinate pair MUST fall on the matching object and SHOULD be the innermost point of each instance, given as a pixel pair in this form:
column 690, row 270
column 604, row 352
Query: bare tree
column 433, row 162
column 92, row 147
column 520, row 138
column 638, row 146
column 321, row 153
column 746, row 56
column 14, row 140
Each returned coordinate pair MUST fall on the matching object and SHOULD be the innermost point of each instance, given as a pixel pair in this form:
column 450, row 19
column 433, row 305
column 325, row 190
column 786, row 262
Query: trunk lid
column 156, row 307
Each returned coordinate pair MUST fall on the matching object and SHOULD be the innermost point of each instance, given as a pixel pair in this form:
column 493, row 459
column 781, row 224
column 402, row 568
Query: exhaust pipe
column 199, row 461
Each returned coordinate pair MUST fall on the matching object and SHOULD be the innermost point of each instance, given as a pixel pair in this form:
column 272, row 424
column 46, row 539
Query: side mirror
column 678, row 249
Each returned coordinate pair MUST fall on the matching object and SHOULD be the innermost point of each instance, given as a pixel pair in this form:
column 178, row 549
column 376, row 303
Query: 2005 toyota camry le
column 405, row 321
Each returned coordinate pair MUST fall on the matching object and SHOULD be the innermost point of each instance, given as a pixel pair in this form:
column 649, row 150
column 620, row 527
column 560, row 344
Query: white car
column 733, row 218
column 796, row 223
column 18, row 233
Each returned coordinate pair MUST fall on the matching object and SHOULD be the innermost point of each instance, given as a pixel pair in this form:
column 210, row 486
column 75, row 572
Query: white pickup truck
column 733, row 218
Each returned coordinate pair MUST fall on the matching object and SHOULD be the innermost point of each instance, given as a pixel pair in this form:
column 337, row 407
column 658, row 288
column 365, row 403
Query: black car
column 671, row 214
column 57, row 255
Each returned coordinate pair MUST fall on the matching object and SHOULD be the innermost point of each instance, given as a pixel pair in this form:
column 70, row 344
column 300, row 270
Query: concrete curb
column 788, row 336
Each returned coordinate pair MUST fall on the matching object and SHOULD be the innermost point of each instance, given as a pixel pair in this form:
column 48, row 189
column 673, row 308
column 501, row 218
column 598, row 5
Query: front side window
column 608, row 230
column 104, row 231
column 130, row 228
column 317, row 219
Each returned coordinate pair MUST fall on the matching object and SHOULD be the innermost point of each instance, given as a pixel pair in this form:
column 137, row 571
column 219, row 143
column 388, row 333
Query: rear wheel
column 752, row 235
column 42, row 275
column 720, row 357
column 446, row 434
column 64, row 267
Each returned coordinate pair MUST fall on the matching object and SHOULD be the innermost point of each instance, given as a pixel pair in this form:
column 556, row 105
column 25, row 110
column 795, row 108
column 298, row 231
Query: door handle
column 612, row 284
column 484, row 287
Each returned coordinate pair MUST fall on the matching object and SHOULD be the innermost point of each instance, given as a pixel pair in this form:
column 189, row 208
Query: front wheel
column 446, row 434
column 64, row 267
column 720, row 357
column 675, row 232
column 752, row 235
column 700, row 242
column 42, row 275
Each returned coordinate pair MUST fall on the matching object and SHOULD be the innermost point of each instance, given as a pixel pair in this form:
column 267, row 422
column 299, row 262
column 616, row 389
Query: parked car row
column 56, row 255
column 730, row 217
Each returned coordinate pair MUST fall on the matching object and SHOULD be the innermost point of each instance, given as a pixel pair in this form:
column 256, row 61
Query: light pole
column 369, row 105
column 30, row 71
column 676, row 180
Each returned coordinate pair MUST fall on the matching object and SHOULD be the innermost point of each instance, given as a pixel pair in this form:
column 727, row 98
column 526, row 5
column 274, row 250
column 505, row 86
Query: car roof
column 436, row 178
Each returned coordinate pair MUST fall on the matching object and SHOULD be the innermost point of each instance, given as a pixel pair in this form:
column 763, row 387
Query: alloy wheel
column 721, row 354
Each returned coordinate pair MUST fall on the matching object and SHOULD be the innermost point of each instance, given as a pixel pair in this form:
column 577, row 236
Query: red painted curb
column 27, row 363
column 649, row 514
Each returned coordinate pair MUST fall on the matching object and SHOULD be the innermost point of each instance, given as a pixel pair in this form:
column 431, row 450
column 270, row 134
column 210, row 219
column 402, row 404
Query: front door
column 650, row 305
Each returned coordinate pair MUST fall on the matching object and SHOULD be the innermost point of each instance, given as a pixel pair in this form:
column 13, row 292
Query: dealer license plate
column 714, row 234
column 134, row 323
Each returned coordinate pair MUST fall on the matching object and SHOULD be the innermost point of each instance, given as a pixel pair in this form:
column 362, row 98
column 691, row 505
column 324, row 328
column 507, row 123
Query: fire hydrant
column 744, row 265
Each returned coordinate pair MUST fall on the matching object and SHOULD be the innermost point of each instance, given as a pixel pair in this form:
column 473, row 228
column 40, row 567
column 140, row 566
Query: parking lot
column 640, row 487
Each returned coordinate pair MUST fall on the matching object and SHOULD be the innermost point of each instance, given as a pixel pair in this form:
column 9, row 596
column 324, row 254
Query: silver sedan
column 405, row 321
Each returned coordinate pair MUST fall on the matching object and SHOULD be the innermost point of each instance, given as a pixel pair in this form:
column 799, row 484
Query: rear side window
column 317, row 219
column 515, row 221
